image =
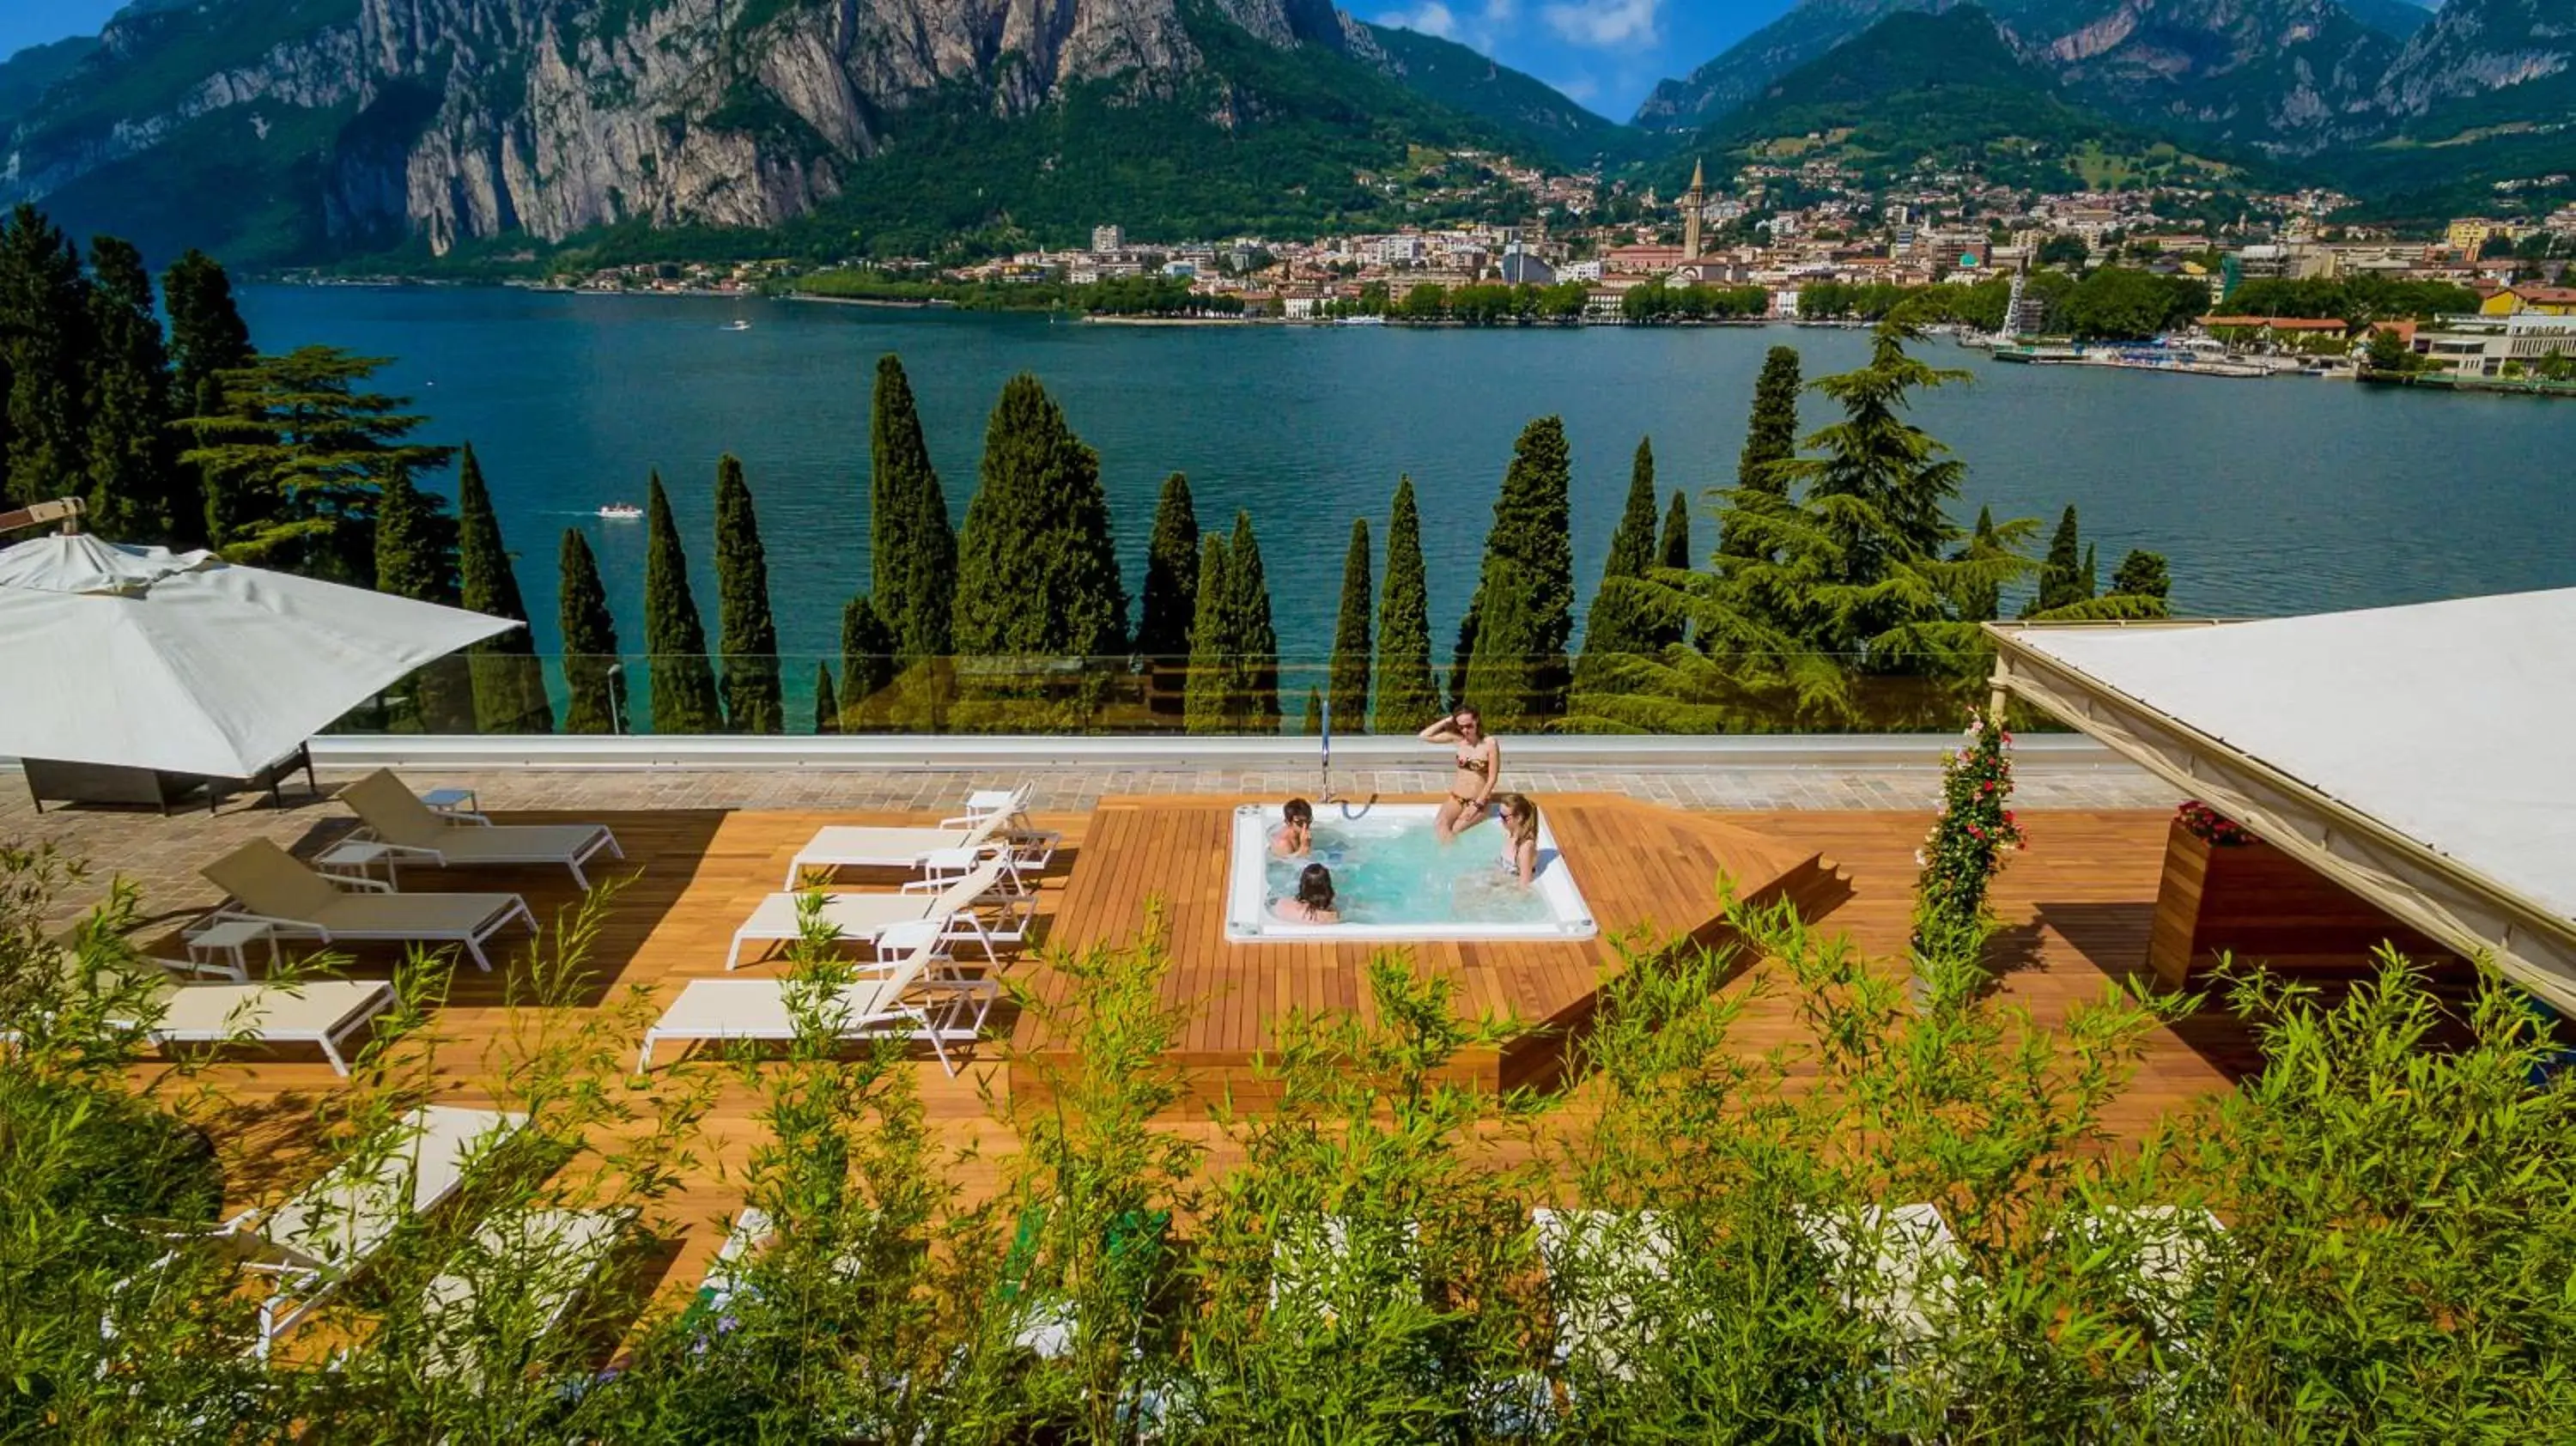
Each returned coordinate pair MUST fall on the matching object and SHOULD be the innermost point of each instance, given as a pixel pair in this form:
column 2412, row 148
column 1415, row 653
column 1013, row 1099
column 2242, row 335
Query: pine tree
column 1771, row 437
column 1171, row 575
column 45, row 341
column 594, row 684
column 683, row 682
column 2061, row 574
column 912, row 549
column 207, row 339
column 1405, row 697
column 827, row 708
column 1203, row 706
column 1037, row 571
column 1516, row 675
column 1349, row 676
column 868, row 659
column 129, row 444
column 1617, row 623
column 509, row 682
column 1252, row 643
column 416, row 558
column 748, row 634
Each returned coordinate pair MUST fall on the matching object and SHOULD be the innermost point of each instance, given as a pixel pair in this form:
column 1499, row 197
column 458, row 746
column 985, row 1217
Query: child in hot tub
column 1296, row 835
column 1314, row 901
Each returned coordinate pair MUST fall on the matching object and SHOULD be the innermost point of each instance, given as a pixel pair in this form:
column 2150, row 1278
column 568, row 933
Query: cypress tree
column 1675, row 551
column 1405, row 697
column 1349, row 677
column 1516, row 674
column 1614, row 624
column 1252, row 644
column 1981, row 602
column 749, row 635
column 1770, row 437
column 595, row 697
column 130, row 444
column 415, row 545
column 827, row 709
column 2061, row 578
column 1203, row 698
column 1037, row 568
column 207, row 339
column 2142, row 574
column 1170, row 603
column 45, row 341
column 1314, row 725
column 675, row 637
column 912, row 549
column 868, row 661
column 509, row 682
column 2088, row 583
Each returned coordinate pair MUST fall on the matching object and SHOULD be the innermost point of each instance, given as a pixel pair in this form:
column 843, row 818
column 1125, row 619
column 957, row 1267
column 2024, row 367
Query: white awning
column 2423, row 756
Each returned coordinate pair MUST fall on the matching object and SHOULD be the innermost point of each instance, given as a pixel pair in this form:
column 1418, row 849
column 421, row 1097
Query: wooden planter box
column 2265, row 907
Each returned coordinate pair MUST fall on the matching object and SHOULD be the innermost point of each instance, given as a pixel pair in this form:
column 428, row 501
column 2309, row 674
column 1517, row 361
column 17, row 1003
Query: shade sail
column 181, row 661
column 2424, row 756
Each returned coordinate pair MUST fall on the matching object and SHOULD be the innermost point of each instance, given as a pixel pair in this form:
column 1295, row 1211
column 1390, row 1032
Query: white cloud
column 1481, row 27
column 1603, row 23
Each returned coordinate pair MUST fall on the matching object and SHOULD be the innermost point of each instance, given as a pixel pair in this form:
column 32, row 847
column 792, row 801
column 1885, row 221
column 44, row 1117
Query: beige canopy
column 2423, row 757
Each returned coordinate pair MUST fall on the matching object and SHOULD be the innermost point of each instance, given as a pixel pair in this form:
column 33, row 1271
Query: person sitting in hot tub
column 1296, row 835
column 1314, row 901
column 1520, row 836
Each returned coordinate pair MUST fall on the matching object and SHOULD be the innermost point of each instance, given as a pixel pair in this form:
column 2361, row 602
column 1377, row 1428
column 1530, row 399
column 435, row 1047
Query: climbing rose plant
column 1965, row 849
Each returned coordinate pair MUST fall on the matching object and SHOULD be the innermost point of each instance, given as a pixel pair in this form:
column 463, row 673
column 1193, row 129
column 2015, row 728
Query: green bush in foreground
column 1356, row 1260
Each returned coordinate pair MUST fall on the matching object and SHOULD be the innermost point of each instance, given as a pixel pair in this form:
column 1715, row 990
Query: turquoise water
column 2271, row 497
column 1392, row 869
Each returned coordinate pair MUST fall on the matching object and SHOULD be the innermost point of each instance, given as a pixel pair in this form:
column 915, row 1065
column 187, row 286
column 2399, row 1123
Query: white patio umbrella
column 147, row 658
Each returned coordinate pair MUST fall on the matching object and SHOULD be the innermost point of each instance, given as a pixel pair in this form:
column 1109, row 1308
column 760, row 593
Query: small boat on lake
column 737, row 324
column 621, row 512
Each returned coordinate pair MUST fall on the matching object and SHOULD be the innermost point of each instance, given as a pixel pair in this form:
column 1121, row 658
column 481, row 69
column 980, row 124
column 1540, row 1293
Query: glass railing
column 638, row 694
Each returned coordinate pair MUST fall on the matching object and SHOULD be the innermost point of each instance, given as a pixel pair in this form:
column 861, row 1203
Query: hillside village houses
column 1787, row 224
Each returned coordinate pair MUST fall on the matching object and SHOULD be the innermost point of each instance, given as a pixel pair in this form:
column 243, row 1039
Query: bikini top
column 1475, row 766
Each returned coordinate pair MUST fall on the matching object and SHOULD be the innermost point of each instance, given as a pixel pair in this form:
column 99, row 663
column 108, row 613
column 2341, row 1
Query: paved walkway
column 161, row 855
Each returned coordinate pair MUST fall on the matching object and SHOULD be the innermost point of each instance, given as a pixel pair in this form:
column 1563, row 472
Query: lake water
column 2275, row 496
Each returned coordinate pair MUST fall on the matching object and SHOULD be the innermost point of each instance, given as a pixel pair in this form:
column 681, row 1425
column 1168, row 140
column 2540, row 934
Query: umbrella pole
column 65, row 510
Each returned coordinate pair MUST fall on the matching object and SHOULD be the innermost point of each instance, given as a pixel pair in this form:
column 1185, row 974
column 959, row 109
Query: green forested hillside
column 1450, row 74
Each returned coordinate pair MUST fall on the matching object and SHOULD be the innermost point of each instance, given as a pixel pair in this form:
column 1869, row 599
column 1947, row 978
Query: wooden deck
column 1647, row 873
column 2076, row 906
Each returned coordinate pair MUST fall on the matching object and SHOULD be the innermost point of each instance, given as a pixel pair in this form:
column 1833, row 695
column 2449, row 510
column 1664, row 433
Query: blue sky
column 1604, row 53
column 33, row 22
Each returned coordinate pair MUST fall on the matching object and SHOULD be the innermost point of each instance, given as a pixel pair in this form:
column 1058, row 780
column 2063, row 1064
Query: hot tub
column 1395, row 881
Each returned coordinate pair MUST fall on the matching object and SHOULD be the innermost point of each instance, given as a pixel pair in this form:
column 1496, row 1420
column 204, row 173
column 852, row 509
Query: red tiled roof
column 2278, row 323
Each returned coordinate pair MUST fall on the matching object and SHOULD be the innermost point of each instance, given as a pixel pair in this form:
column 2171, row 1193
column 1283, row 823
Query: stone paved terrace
column 162, row 855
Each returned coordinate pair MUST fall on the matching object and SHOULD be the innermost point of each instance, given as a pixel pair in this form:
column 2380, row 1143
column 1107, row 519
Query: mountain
column 2482, row 100
column 27, row 75
column 1462, row 79
column 2276, row 74
column 283, row 130
column 1946, row 89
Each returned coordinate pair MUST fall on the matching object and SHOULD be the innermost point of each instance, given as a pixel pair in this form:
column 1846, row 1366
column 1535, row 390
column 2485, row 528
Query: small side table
column 458, row 803
column 351, row 859
column 234, row 937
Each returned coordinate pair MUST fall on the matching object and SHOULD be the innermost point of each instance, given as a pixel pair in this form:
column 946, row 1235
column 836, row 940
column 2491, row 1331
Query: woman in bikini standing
column 1480, row 768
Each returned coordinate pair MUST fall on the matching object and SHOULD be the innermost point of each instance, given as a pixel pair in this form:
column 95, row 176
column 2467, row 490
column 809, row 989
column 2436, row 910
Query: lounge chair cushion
column 410, row 916
column 395, row 812
column 268, row 880
column 515, row 843
column 303, row 1010
column 340, row 1219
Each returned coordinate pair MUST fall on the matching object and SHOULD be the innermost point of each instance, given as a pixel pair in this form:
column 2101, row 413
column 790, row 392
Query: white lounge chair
column 1032, row 847
column 849, row 847
column 985, row 905
column 312, row 1011
column 315, row 1242
column 750, row 1231
column 901, row 1003
column 1598, row 1263
column 266, row 883
column 545, row 1258
column 398, row 820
